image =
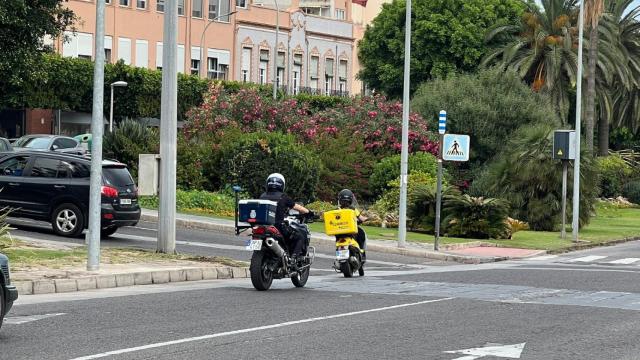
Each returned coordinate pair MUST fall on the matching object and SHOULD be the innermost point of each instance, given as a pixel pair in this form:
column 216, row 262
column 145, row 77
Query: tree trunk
column 591, row 88
column 603, row 136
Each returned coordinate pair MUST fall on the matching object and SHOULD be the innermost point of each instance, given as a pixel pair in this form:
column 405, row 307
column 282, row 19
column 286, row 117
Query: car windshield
column 33, row 143
column 117, row 176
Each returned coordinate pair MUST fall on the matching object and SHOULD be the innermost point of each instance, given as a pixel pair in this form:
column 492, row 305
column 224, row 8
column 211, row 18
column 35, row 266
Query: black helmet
column 275, row 182
column 345, row 198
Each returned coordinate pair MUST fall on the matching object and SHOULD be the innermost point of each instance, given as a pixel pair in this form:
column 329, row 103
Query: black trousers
column 295, row 239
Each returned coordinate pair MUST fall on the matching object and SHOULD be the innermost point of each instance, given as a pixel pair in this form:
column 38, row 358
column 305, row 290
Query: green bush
column 475, row 217
column 388, row 169
column 346, row 165
column 388, row 204
column 321, row 206
column 252, row 157
column 525, row 174
column 631, row 191
column 321, row 102
column 129, row 139
column 489, row 106
column 217, row 204
column 614, row 174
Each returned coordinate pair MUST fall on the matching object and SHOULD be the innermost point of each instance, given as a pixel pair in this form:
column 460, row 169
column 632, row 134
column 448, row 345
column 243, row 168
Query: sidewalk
column 469, row 253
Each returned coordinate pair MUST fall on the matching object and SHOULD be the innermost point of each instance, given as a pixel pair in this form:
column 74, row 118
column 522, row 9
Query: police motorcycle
column 271, row 259
column 343, row 224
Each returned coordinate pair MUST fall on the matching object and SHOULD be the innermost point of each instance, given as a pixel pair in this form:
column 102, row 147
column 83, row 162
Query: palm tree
column 541, row 49
column 592, row 13
column 621, row 29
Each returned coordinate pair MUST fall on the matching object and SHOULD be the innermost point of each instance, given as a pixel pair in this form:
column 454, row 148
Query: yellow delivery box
column 340, row 222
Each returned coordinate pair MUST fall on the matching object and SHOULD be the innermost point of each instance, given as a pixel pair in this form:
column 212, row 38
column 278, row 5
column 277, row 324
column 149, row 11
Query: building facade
column 314, row 51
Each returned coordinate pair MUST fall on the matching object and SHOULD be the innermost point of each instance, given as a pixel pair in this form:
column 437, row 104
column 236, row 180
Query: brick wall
column 39, row 121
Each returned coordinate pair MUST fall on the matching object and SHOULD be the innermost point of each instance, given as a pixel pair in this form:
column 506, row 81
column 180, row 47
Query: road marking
column 625, row 261
column 504, row 351
column 19, row 320
column 541, row 258
column 587, row 258
column 249, row 330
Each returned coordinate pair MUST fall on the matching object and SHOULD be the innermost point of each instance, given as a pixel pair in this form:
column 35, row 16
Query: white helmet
column 275, row 182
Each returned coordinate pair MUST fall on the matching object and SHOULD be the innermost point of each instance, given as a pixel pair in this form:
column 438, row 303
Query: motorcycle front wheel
column 300, row 279
column 261, row 276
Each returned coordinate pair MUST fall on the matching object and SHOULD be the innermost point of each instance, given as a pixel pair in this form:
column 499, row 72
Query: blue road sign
column 456, row 147
column 442, row 122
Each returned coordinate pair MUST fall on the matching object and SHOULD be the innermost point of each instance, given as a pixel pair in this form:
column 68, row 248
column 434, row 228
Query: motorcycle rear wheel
column 346, row 269
column 261, row 276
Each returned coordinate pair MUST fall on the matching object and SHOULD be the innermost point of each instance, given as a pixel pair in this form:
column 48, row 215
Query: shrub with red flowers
column 375, row 120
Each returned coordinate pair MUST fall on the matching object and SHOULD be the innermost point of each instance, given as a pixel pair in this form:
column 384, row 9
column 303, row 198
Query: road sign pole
column 442, row 128
column 97, row 129
column 563, row 233
column 404, row 157
column 576, row 168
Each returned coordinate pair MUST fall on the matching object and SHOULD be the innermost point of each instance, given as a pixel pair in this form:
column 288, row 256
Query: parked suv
column 8, row 293
column 63, row 144
column 54, row 187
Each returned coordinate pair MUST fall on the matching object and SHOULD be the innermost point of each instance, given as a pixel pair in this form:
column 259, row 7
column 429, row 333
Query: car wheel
column 106, row 232
column 67, row 220
column 2, row 305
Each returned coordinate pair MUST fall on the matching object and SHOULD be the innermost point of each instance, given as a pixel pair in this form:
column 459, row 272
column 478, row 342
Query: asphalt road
column 582, row 305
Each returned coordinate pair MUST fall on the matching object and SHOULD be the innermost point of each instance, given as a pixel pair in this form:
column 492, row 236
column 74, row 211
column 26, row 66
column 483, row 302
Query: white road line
column 541, row 258
column 249, row 330
column 19, row 320
column 587, row 258
column 625, row 261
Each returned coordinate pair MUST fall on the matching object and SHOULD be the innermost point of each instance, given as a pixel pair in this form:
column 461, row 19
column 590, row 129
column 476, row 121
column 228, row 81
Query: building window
column 124, row 3
column 340, row 14
column 141, row 4
column 264, row 65
column 78, row 45
column 180, row 7
column 328, row 75
column 160, row 6
column 159, row 56
column 216, row 70
column 107, row 56
column 241, row 4
column 196, row 8
column 342, row 73
column 218, row 8
column 246, row 65
column 108, row 2
column 195, row 67
column 142, row 53
column 297, row 70
column 281, row 66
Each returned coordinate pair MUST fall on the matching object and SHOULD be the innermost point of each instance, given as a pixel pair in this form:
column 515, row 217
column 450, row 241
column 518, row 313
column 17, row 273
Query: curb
column 587, row 246
column 36, row 287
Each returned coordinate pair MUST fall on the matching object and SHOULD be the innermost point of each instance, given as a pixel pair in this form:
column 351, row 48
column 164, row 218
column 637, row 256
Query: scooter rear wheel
column 361, row 270
column 346, row 269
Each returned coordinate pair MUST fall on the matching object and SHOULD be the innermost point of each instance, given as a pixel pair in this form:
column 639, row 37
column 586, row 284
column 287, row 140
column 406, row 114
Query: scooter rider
column 347, row 200
column 275, row 192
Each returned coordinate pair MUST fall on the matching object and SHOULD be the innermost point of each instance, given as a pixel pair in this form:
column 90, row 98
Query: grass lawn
column 24, row 256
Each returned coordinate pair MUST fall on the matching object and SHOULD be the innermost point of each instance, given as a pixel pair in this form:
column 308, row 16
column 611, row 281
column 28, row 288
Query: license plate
column 125, row 201
column 342, row 254
column 253, row 245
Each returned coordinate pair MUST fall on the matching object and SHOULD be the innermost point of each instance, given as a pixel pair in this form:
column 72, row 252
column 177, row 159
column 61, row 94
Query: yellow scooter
column 343, row 224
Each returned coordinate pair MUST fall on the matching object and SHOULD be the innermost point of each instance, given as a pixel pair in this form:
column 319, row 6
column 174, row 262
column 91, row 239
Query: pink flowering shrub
column 375, row 120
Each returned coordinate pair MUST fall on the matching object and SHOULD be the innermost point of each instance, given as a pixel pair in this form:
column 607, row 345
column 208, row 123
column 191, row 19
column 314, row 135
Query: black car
column 8, row 293
column 58, row 143
column 54, row 187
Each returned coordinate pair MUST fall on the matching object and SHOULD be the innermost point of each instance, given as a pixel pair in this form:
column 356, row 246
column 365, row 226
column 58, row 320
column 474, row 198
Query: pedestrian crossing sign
column 455, row 147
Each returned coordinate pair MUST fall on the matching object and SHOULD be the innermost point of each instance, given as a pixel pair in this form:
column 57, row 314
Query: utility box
column 148, row 174
column 564, row 145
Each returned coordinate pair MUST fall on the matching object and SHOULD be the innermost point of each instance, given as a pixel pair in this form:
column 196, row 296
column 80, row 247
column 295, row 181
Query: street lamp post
column 275, row 53
column 202, row 57
column 576, row 168
column 115, row 84
column 404, row 157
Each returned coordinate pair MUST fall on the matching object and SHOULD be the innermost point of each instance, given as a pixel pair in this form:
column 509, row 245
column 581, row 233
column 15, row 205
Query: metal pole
column 111, row 112
column 563, row 232
column 59, row 122
column 202, row 57
column 168, row 131
column 275, row 53
column 436, row 243
column 97, row 129
column 576, row 169
column 402, row 224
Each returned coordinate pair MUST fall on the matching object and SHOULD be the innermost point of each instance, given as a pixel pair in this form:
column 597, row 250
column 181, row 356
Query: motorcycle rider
column 296, row 240
column 347, row 200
